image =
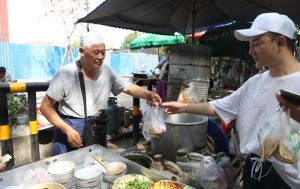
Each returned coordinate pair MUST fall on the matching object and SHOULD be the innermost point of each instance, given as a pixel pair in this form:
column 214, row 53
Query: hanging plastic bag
column 289, row 145
column 269, row 136
column 210, row 175
column 154, row 123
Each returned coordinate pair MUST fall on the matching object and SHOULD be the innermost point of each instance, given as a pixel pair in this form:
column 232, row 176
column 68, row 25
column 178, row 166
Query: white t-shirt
column 65, row 88
column 254, row 104
column 6, row 78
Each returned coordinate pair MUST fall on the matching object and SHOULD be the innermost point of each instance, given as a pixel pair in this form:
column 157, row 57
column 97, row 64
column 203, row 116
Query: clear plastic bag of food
column 211, row 175
column 289, row 146
column 154, row 124
column 270, row 135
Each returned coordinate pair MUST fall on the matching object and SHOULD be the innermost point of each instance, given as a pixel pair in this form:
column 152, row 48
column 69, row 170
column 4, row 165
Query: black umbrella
column 184, row 16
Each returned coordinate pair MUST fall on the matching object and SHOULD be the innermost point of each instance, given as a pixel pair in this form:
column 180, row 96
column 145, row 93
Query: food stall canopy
column 147, row 40
column 223, row 43
column 184, row 16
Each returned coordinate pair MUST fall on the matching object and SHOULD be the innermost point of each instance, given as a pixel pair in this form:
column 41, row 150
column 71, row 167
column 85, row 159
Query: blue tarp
column 42, row 62
column 32, row 61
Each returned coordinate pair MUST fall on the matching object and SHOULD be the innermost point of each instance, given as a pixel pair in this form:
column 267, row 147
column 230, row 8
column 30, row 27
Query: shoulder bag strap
column 82, row 86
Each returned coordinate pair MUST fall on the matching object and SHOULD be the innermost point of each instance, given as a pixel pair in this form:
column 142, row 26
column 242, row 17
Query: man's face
column 2, row 75
column 94, row 55
column 264, row 50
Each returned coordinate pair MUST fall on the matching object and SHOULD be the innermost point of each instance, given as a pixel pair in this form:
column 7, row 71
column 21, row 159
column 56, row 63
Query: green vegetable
column 138, row 184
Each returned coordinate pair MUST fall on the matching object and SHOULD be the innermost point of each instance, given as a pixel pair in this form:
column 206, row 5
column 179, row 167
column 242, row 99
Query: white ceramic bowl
column 61, row 168
column 63, row 177
column 113, row 177
column 48, row 186
column 88, row 185
column 88, row 177
column 94, row 181
column 88, row 173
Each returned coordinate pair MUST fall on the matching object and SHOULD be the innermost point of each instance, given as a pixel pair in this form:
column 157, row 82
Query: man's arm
column 193, row 108
column 47, row 109
column 139, row 92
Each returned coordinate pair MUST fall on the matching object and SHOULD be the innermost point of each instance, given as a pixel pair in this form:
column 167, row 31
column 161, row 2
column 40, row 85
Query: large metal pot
column 184, row 130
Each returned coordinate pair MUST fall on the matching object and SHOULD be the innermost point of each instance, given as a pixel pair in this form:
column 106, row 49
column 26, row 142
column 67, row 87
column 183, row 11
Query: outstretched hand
column 173, row 107
column 152, row 98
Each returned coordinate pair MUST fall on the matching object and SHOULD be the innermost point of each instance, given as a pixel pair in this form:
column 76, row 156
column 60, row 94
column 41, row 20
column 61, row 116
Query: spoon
column 108, row 169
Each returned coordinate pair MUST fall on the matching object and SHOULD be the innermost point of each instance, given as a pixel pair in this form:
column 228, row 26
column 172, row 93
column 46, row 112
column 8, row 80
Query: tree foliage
column 17, row 104
column 128, row 39
column 68, row 11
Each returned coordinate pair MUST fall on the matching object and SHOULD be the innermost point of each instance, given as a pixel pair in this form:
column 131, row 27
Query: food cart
column 15, row 177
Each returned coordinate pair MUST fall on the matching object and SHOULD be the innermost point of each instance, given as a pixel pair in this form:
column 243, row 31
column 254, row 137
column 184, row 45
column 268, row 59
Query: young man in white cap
column 99, row 81
column 271, row 39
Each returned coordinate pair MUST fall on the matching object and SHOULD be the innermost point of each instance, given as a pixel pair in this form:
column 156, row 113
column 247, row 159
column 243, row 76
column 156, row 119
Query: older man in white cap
column 254, row 104
column 99, row 81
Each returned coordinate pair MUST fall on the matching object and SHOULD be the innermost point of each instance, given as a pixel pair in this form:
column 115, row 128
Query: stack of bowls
column 89, row 177
column 63, row 173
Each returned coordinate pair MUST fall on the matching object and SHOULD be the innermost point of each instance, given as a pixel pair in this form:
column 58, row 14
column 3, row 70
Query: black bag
column 95, row 129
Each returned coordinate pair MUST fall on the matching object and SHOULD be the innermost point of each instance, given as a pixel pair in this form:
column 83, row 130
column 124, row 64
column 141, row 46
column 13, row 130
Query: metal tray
column 15, row 176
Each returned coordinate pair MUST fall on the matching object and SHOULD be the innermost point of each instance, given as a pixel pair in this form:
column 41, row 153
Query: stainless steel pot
column 184, row 130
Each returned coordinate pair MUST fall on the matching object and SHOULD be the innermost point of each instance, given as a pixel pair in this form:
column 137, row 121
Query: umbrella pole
column 194, row 12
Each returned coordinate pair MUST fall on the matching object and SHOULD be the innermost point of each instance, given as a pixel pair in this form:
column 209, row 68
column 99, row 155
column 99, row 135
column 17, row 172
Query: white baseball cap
column 268, row 22
column 91, row 38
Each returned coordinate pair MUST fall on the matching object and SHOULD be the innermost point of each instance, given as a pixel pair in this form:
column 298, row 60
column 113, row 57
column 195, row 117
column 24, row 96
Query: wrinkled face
column 93, row 55
column 264, row 50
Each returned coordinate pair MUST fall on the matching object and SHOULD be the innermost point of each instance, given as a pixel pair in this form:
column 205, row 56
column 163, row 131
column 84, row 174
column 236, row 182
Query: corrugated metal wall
column 42, row 62
column 32, row 61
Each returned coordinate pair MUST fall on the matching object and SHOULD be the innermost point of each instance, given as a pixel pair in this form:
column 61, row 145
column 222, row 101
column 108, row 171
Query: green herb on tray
column 138, row 184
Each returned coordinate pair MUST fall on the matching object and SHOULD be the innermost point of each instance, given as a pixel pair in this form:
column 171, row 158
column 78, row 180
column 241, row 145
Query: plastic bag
column 36, row 176
column 289, row 147
column 154, row 123
column 269, row 136
column 211, row 175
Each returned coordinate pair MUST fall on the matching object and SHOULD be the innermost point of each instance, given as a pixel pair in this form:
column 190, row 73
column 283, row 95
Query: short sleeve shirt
column 65, row 88
column 254, row 104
